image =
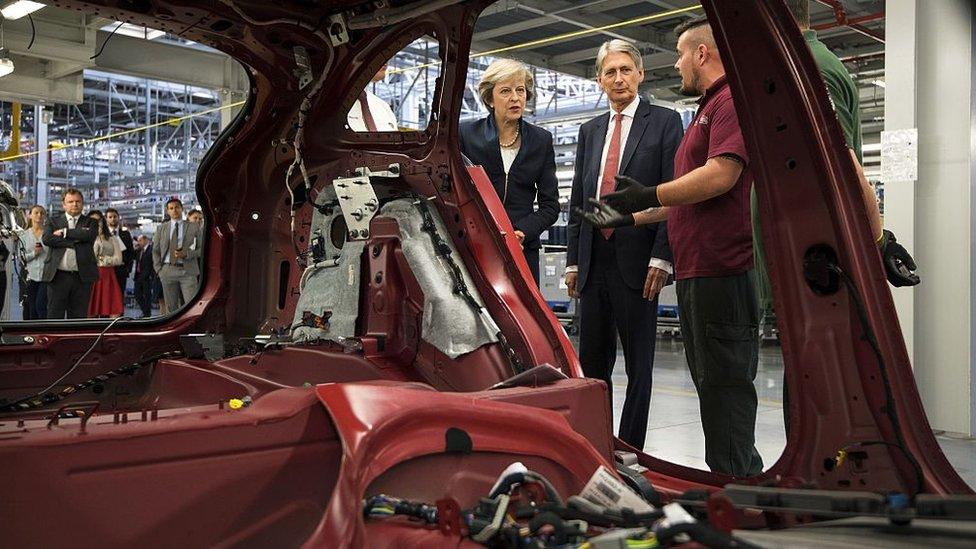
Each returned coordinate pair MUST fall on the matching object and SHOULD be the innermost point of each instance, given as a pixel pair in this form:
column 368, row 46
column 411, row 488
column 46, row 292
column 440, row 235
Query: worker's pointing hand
column 631, row 196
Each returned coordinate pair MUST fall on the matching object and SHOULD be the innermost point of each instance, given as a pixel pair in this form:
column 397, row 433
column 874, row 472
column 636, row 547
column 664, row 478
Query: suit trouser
column 35, row 300
column 143, row 290
column 532, row 258
column 719, row 324
column 68, row 294
column 178, row 286
column 608, row 308
column 122, row 275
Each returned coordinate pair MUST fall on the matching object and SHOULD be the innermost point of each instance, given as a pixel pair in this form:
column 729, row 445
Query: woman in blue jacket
column 517, row 156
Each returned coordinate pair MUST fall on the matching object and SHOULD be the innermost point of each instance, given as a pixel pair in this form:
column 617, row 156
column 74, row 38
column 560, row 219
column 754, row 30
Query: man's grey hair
column 618, row 45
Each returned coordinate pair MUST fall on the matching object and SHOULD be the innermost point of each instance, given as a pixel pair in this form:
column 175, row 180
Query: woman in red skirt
column 106, row 297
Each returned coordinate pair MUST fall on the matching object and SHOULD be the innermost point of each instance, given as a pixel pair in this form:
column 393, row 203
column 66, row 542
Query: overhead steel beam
column 549, row 17
column 170, row 62
column 525, row 55
column 29, row 84
column 589, row 21
column 139, row 102
column 64, row 42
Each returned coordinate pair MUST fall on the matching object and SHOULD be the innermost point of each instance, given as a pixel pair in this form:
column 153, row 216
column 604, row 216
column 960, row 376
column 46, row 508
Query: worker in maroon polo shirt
column 710, row 232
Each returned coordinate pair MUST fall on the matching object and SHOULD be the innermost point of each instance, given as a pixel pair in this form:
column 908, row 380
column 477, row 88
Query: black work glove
column 899, row 264
column 604, row 217
column 631, row 196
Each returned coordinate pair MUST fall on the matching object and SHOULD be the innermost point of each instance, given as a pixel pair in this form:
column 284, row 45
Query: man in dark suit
column 70, row 269
column 617, row 274
column 115, row 227
column 145, row 275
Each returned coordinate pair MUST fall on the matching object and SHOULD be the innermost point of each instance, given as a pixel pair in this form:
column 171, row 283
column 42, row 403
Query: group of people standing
column 77, row 265
column 652, row 203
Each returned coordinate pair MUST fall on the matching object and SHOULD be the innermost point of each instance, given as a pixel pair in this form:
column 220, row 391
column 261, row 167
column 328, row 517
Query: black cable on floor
column 73, row 366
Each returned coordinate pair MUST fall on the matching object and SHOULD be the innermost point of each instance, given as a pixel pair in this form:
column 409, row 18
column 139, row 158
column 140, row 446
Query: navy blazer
column 647, row 157
column 532, row 175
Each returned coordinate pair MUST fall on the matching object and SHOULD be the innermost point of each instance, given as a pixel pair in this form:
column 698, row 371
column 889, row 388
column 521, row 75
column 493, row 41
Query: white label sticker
column 550, row 270
column 352, row 276
column 606, row 490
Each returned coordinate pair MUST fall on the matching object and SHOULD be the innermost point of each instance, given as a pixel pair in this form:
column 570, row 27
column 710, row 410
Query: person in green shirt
column 844, row 98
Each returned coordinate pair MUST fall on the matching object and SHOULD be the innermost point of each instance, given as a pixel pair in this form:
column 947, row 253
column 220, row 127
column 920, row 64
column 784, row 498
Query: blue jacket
column 531, row 178
column 648, row 157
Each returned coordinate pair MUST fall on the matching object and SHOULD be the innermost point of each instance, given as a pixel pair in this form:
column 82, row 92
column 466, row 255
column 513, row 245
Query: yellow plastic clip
column 841, row 456
column 236, row 404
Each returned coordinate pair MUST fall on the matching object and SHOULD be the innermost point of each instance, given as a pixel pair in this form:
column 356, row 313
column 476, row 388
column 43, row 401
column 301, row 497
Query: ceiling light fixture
column 135, row 31
column 18, row 9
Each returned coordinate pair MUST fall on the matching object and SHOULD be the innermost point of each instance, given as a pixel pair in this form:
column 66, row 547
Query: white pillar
column 929, row 86
column 40, row 135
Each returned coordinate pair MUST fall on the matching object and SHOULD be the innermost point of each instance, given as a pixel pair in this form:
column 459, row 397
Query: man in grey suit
column 70, row 269
column 176, row 247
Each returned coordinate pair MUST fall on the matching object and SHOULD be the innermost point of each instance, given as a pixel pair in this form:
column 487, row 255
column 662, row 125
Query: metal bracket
column 338, row 33
column 358, row 199
column 303, row 67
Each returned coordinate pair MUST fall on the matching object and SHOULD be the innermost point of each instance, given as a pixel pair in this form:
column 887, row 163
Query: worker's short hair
column 71, row 190
column 686, row 26
column 621, row 46
column 800, row 10
column 112, row 210
column 500, row 70
column 174, row 199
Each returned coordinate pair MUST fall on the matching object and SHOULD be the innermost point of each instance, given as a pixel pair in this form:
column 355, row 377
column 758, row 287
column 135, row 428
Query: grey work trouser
column 719, row 324
column 178, row 286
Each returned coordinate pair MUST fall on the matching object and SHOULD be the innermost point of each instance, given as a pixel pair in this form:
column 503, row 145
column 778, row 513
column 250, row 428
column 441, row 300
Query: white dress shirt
column 382, row 115
column 68, row 261
column 625, row 123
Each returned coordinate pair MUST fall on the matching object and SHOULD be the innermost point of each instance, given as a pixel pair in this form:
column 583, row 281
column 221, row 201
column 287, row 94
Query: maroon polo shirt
column 714, row 237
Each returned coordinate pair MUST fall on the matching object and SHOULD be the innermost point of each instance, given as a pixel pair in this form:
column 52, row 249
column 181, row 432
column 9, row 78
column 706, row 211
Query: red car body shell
column 164, row 460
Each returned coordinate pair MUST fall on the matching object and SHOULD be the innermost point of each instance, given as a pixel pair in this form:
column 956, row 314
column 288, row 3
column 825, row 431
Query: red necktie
column 367, row 115
column 607, row 182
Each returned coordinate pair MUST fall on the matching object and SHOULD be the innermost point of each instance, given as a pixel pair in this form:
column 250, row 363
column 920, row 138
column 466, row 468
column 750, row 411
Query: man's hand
column 631, row 196
column 61, row 232
column 656, row 278
column 520, row 236
column 571, row 284
column 604, row 217
column 899, row 264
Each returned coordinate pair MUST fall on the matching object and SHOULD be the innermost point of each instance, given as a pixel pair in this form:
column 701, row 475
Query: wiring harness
column 45, row 398
column 524, row 510
column 443, row 250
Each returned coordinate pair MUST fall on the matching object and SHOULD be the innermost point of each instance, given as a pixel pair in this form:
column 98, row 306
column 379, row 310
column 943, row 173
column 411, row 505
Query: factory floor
column 674, row 427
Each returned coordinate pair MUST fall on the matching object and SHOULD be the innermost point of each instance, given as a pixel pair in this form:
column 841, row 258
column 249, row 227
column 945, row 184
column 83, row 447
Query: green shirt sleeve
column 845, row 109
